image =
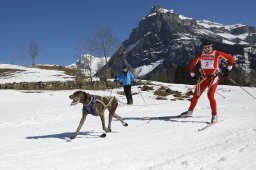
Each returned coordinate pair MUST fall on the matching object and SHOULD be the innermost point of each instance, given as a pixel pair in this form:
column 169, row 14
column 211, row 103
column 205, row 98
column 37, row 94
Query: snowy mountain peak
column 158, row 8
column 87, row 62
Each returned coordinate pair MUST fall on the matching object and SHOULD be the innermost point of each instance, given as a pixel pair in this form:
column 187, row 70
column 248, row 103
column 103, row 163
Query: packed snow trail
column 34, row 129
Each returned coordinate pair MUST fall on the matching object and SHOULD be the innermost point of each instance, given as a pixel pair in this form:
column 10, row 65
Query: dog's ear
column 84, row 96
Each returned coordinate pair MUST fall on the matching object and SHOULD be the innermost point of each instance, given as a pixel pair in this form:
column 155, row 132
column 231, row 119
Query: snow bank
column 28, row 74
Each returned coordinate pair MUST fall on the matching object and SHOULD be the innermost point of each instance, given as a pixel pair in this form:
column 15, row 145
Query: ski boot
column 186, row 114
column 214, row 119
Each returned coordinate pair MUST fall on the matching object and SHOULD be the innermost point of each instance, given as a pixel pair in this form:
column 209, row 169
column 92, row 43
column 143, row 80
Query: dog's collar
column 92, row 101
column 88, row 107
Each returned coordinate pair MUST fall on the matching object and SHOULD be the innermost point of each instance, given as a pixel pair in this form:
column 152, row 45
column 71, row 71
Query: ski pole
column 241, row 87
column 142, row 96
column 112, row 89
column 115, row 81
column 220, row 95
column 111, row 92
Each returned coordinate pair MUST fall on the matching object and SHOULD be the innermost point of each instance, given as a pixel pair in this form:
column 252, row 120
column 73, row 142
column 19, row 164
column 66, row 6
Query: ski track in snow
column 35, row 128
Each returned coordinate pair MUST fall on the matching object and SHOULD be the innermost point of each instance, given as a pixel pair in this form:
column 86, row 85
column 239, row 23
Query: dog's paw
column 72, row 137
column 108, row 130
column 125, row 124
column 103, row 135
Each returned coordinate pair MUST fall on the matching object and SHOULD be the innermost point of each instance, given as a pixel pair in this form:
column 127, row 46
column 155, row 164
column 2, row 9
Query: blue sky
column 57, row 25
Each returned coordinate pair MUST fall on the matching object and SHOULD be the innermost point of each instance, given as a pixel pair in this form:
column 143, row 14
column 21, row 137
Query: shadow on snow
column 168, row 118
column 64, row 136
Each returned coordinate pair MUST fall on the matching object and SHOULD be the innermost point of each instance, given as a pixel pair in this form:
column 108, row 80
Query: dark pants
column 128, row 94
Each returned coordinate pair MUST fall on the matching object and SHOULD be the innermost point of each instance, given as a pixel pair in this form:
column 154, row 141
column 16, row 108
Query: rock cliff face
column 165, row 42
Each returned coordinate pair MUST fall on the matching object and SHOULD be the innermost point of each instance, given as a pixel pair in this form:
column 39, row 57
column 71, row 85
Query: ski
column 209, row 125
column 149, row 119
column 164, row 117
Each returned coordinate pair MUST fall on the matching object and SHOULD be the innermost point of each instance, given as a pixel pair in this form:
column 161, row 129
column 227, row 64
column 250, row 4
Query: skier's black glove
column 219, row 74
column 194, row 80
column 226, row 73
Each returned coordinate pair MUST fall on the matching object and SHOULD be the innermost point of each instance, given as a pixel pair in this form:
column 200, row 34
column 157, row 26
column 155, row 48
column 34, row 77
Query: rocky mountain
column 165, row 42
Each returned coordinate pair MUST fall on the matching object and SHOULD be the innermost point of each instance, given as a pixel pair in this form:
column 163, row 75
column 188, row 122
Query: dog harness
column 89, row 107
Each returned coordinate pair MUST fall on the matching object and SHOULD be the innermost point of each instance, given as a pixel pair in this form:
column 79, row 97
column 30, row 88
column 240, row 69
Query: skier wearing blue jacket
column 127, row 79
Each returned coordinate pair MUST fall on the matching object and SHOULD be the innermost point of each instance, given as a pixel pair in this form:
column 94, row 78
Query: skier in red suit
column 209, row 62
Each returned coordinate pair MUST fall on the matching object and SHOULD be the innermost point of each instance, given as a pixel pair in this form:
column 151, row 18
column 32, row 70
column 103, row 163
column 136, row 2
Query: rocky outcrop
column 40, row 85
column 58, row 85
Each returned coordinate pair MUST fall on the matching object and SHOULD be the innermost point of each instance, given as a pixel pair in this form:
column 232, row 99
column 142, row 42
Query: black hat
column 125, row 66
column 207, row 43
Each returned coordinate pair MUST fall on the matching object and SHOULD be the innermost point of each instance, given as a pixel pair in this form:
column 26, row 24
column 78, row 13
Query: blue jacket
column 126, row 79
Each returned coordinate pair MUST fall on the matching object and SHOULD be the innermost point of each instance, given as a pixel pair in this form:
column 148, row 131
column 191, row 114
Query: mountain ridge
column 172, row 40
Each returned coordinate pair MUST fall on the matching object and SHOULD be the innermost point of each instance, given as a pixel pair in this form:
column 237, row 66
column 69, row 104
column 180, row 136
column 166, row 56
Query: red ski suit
column 209, row 69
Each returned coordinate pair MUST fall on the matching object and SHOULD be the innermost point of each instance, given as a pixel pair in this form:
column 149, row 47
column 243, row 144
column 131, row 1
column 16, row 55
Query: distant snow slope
column 83, row 63
column 34, row 136
column 29, row 74
column 145, row 69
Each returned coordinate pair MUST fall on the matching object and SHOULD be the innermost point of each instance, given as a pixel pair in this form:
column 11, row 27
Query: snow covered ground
column 35, row 127
column 28, row 74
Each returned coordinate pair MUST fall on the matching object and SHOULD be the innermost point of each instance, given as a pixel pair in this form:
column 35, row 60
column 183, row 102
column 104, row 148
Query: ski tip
column 199, row 130
column 209, row 124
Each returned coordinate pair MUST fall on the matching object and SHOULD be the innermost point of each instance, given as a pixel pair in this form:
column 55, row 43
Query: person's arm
column 118, row 78
column 193, row 64
column 132, row 77
column 228, row 57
